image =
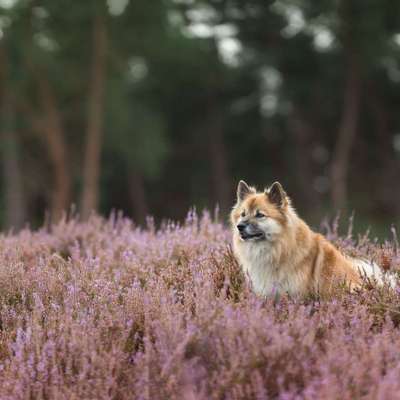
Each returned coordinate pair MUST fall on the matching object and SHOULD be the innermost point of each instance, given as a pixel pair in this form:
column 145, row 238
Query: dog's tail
column 372, row 271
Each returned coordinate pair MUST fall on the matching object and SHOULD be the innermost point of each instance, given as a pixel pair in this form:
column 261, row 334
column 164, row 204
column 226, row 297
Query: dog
column 280, row 254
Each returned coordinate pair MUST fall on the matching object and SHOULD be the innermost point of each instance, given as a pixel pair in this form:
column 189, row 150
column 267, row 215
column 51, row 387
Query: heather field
column 106, row 310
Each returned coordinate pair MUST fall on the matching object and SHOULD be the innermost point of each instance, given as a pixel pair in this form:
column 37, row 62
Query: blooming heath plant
column 107, row 310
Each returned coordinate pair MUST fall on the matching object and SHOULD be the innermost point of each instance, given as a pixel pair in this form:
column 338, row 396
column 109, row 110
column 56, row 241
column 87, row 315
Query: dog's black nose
column 241, row 227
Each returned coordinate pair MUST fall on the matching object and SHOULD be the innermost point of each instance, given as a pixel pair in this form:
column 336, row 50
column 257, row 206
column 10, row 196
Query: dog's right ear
column 277, row 195
column 243, row 190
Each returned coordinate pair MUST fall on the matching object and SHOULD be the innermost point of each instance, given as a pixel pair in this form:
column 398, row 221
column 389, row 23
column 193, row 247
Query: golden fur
column 283, row 254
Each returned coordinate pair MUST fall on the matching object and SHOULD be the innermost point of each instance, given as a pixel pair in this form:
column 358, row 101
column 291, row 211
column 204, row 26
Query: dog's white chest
column 260, row 265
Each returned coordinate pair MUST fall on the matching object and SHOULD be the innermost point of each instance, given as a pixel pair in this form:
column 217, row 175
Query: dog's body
column 281, row 254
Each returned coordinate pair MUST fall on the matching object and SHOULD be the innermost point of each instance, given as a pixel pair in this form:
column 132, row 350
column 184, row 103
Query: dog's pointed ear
column 277, row 195
column 243, row 190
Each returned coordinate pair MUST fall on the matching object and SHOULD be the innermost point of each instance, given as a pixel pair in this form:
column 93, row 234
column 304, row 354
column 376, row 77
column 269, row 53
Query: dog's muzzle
column 250, row 231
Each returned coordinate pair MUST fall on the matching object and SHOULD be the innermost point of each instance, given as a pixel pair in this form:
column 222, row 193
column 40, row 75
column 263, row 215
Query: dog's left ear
column 243, row 190
column 277, row 195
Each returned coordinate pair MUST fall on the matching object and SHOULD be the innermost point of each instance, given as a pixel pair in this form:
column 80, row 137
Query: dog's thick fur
column 279, row 253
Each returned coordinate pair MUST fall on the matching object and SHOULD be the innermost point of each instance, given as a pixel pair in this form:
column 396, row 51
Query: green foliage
column 137, row 134
column 169, row 85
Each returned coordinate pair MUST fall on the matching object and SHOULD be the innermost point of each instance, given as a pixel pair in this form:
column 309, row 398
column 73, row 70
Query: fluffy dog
column 279, row 252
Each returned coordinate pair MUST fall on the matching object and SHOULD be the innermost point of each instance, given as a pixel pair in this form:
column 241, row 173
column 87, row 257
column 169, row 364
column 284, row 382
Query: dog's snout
column 241, row 227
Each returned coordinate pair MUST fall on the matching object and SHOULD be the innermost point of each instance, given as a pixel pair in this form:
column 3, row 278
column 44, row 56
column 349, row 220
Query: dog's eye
column 243, row 214
column 259, row 215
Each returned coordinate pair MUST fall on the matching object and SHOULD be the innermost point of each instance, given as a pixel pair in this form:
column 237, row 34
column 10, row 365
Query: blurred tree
column 135, row 124
column 27, row 22
column 91, row 167
column 51, row 125
column 15, row 207
column 155, row 106
column 318, row 48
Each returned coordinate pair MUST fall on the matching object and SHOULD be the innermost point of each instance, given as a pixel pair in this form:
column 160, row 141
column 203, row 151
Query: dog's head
column 259, row 216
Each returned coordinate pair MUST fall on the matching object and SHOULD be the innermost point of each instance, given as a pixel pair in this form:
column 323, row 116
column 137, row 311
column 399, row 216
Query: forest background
column 151, row 107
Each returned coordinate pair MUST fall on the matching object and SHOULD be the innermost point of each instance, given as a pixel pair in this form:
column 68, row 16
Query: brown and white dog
column 279, row 253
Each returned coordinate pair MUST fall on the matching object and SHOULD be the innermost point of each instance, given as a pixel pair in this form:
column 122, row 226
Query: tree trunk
column 91, row 168
column 302, row 133
column 346, row 133
column 15, row 207
column 351, row 109
column 138, row 197
column 54, row 135
column 386, row 173
column 218, row 158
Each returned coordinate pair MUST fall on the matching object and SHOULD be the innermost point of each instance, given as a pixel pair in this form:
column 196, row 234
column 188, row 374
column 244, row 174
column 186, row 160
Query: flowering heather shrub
column 106, row 310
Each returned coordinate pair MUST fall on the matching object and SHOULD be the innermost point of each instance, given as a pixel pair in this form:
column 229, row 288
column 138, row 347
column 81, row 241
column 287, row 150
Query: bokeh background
column 153, row 106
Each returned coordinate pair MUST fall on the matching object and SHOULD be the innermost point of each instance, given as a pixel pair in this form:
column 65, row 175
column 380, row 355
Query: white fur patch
column 372, row 271
column 267, row 278
column 270, row 227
